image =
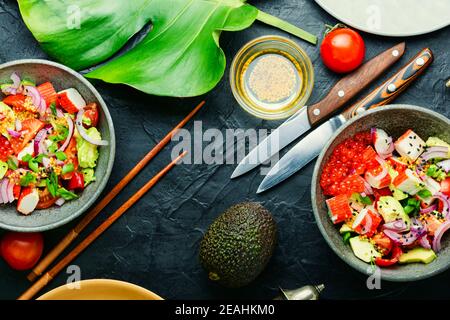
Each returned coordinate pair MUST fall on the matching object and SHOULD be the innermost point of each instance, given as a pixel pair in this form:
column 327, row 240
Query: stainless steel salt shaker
column 303, row 293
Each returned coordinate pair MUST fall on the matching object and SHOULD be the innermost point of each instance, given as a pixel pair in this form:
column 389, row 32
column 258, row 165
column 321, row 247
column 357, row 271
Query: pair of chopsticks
column 73, row 234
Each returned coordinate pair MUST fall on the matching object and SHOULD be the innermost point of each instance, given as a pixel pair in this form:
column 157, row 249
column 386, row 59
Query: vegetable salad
column 391, row 198
column 48, row 144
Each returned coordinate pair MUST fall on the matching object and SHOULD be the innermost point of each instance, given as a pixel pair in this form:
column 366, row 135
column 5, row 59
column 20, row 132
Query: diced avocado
column 436, row 142
column 391, row 210
column 345, row 228
column 417, row 255
column 397, row 193
column 363, row 249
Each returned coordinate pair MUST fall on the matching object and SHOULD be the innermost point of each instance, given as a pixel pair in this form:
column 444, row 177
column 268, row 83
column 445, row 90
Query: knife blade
column 311, row 146
column 303, row 120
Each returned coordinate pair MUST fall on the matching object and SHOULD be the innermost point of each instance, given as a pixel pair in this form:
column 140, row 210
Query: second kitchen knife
column 311, row 145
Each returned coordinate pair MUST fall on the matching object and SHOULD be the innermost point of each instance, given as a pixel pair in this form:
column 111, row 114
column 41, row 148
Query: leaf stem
column 286, row 26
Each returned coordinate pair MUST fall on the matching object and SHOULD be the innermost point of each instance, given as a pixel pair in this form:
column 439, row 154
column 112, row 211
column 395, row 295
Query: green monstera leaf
column 180, row 56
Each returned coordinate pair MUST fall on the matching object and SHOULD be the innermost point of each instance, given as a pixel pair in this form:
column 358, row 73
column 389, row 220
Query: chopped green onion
column 27, row 179
column 33, row 165
column 40, row 157
column 53, row 148
column 61, row 156
column 68, row 168
column 12, row 164
column 366, row 200
column 53, row 108
column 432, row 170
column 66, row 195
column 27, row 157
column 409, row 209
column 52, row 184
column 346, row 237
column 424, row 193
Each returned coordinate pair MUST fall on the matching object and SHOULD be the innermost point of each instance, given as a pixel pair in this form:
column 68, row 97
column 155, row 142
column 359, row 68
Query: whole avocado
column 238, row 245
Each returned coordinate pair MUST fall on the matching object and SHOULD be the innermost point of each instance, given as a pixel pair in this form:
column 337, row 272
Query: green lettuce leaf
column 87, row 152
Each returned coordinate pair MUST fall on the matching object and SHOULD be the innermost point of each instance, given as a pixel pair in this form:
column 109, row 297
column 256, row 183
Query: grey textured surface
column 426, row 124
column 156, row 243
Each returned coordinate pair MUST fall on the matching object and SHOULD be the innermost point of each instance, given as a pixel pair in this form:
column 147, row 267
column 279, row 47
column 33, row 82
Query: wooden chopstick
column 47, row 277
column 73, row 234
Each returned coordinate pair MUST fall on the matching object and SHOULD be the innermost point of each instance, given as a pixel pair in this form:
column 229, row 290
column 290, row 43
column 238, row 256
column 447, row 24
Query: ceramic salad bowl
column 395, row 119
column 40, row 71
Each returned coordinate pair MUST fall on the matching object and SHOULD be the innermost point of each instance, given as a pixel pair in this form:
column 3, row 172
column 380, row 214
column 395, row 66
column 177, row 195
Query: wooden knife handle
column 346, row 88
column 394, row 86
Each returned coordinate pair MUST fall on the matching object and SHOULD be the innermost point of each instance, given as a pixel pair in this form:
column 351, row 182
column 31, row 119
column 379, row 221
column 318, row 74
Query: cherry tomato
column 445, row 187
column 22, row 250
column 343, row 50
column 72, row 157
column 30, row 127
column 91, row 113
column 395, row 255
column 45, row 199
column 76, row 182
column 15, row 101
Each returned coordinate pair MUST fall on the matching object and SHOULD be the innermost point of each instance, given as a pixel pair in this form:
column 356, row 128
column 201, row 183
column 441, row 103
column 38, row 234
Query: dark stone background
column 155, row 244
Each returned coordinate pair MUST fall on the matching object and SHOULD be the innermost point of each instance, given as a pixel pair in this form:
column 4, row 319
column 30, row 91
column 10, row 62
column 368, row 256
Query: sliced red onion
column 417, row 228
column 18, row 125
column 10, row 190
column 384, row 172
column 35, row 96
column 42, row 107
column 402, row 239
column 368, row 225
column 69, row 136
column 367, row 188
column 438, row 235
column 428, row 209
column 60, row 202
column 14, row 134
column 46, row 162
column 16, row 80
column 82, row 131
column 39, row 147
column 445, row 165
column 4, row 190
column 59, row 113
column 445, row 202
column 397, row 226
column 9, row 90
column 425, row 243
column 435, row 152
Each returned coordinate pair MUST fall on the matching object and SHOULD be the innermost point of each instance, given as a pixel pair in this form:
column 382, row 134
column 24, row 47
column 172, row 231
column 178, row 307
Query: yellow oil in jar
column 272, row 81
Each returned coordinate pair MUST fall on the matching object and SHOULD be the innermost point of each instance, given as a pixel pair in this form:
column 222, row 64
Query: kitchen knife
column 303, row 120
column 313, row 143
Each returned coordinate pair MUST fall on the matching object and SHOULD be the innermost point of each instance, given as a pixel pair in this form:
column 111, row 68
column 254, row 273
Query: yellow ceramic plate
column 101, row 289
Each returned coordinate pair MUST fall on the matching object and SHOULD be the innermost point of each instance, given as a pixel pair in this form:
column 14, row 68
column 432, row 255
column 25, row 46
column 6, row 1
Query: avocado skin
column 238, row 244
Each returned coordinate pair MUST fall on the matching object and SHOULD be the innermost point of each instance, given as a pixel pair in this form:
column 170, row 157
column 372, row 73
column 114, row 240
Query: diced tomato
column 72, row 157
column 395, row 255
column 45, row 200
column 369, row 224
column 91, row 113
column 16, row 101
column 30, row 127
column 368, row 158
column 432, row 223
column 339, row 209
column 5, row 149
column 16, row 191
column 382, row 193
column 383, row 243
column 48, row 92
column 76, row 182
column 445, row 187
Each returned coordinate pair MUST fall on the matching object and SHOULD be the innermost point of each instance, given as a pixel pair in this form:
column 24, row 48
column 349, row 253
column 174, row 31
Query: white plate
column 395, row 18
